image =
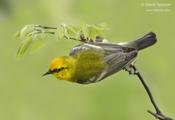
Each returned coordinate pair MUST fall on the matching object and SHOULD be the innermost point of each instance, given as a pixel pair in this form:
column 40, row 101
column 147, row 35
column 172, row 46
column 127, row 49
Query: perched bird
column 93, row 61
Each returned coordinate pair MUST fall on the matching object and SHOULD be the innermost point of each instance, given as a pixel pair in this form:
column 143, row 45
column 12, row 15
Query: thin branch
column 45, row 27
column 73, row 39
column 158, row 113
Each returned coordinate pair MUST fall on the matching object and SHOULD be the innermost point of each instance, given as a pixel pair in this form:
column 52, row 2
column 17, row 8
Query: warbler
column 91, row 62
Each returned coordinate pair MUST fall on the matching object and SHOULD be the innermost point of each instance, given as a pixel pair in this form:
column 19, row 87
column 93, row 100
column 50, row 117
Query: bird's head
column 61, row 68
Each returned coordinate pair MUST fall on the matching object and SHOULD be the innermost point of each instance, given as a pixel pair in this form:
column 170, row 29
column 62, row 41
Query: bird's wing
column 115, row 56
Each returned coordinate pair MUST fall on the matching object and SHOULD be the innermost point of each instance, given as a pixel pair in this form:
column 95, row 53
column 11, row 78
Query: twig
column 45, row 27
column 158, row 113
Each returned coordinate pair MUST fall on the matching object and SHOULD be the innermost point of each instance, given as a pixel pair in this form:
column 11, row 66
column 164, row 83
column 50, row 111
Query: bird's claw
column 131, row 70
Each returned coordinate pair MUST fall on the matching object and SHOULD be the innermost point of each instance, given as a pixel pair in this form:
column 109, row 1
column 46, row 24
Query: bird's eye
column 58, row 70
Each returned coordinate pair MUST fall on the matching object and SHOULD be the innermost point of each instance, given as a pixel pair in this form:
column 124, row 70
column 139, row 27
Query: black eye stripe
column 58, row 70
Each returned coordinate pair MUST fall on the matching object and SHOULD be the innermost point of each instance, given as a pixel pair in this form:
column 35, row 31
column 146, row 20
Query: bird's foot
column 131, row 70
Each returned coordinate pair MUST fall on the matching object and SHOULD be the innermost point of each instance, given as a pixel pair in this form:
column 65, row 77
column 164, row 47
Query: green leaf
column 26, row 30
column 24, row 46
column 71, row 30
column 60, row 32
column 37, row 43
column 90, row 32
column 17, row 35
column 85, row 30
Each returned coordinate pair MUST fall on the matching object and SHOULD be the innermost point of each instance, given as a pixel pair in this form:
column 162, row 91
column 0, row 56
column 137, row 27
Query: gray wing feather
column 82, row 47
column 117, row 57
column 118, row 61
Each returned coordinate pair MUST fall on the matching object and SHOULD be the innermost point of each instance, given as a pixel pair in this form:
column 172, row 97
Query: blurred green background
column 25, row 95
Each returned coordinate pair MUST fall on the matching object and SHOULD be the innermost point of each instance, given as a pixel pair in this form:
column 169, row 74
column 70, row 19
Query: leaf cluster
column 32, row 37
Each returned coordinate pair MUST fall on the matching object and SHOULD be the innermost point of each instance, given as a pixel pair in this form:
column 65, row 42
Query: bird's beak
column 47, row 73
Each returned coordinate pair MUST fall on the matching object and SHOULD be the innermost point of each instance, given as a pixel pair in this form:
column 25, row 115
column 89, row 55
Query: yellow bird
column 93, row 61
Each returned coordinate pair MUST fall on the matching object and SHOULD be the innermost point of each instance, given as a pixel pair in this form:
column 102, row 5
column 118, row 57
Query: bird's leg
column 134, row 71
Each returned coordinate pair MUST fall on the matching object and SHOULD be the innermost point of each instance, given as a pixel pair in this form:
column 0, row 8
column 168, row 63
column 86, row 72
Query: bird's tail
column 143, row 42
